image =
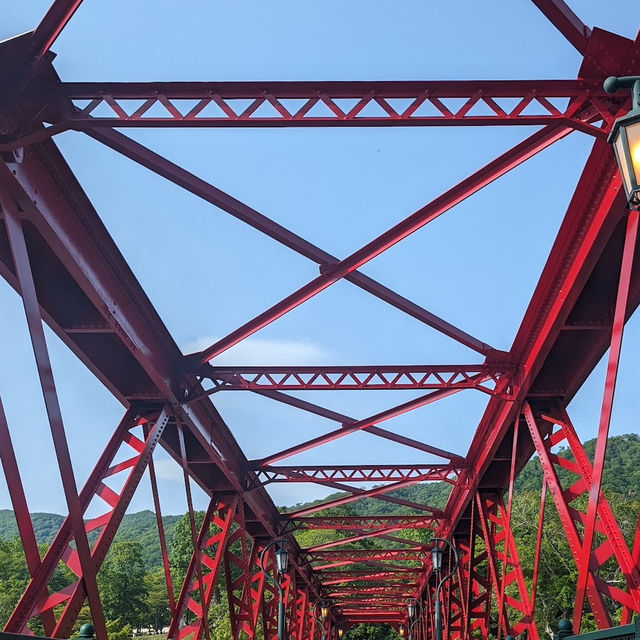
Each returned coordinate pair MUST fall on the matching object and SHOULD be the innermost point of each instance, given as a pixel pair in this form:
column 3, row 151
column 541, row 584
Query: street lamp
column 436, row 558
column 412, row 606
column 402, row 632
column 282, row 564
column 625, row 137
column 324, row 613
column 340, row 633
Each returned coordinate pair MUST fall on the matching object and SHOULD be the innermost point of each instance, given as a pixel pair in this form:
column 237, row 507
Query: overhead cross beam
column 376, row 473
column 484, row 377
column 348, row 523
column 318, row 104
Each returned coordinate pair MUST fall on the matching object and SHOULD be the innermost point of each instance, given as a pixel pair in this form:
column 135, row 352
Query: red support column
column 301, row 614
column 545, row 437
column 21, row 260
column 271, row 597
column 36, row 599
column 21, row 509
column 291, row 611
column 536, row 562
column 502, row 549
column 245, row 584
column 211, row 543
column 194, row 535
column 605, row 415
column 161, row 533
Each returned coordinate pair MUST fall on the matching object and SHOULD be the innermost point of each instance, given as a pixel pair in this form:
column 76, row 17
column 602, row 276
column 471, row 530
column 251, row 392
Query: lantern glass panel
column 436, row 558
column 633, row 134
column 282, row 560
column 619, row 147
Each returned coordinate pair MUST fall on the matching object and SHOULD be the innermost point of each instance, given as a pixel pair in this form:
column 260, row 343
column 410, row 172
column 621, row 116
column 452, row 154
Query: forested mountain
column 136, row 551
column 140, row 527
column 621, row 478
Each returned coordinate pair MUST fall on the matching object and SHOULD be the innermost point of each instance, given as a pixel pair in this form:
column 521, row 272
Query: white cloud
column 168, row 470
column 264, row 351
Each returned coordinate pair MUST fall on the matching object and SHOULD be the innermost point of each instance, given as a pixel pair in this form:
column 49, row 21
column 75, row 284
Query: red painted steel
column 622, row 300
column 192, row 183
column 211, row 543
column 36, row 599
column 369, row 424
column 74, row 105
column 47, row 32
column 361, row 522
column 566, row 21
column 503, row 164
column 502, row 552
column 53, row 243
column 362, row 473
column 545, row 438
column 481, row 377
column 84, row 568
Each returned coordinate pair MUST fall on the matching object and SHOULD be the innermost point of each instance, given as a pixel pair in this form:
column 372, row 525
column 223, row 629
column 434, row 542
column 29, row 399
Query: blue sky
column 207, row 273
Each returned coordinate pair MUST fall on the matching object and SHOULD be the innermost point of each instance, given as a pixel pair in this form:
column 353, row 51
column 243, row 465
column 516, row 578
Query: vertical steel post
column 36, row 331
column 605, row 415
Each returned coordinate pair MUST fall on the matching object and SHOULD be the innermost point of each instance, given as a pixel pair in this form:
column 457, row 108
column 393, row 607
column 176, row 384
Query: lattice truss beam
column 51, row 240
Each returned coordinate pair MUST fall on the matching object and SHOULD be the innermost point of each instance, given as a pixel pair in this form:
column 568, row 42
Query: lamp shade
column 436, row 557
column 412, row 609
column 625, row 137
column 282, row 559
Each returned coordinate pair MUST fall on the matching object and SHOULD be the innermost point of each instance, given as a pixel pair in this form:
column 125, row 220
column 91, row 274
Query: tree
column 158, row 609
column 122, row 584
column 182, row 546
column 14, row 576
column 372, row 632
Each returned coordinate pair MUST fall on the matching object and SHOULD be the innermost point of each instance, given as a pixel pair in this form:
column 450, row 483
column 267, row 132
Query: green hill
column 621, row 478
column 140, row 527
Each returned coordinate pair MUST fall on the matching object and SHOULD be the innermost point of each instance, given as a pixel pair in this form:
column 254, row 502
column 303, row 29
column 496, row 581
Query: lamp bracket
column 613, row 84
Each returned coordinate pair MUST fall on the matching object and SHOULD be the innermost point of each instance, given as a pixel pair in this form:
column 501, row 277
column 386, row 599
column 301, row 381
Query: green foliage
column 158, row 611
column 372, row 632
column 122, row 584
column 14, row 576
column 133, row 586
column 220, row 621
column 45, row 526
column 182, row 545
column 142, row 528
column 116, row 630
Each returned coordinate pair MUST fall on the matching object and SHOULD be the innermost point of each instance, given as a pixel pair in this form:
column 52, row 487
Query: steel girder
column 482, row 377
column 49, row 227
column 75, row 105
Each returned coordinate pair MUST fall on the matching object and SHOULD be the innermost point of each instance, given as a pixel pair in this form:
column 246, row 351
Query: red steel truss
column 86, row 105
column 57, row 254
column 484, row 378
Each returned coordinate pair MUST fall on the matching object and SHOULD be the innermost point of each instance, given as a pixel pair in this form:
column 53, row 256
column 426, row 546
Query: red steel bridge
column 57, row 254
